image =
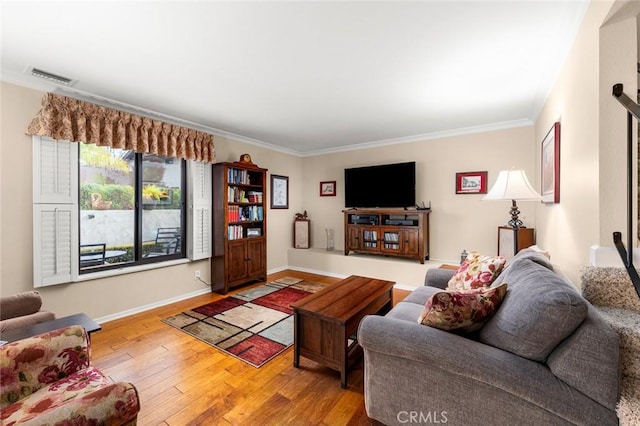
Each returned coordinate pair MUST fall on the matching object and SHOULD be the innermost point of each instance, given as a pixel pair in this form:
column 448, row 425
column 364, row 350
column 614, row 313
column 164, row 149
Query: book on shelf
column 238, row 177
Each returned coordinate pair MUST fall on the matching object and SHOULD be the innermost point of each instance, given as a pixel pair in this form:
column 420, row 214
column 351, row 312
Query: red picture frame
column 471, row 183
column 550, row 165
column 328, row 188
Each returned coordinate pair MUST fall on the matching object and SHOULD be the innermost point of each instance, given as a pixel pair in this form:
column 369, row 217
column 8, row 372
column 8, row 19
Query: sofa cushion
column 405, row 311
column 464, row 310
column 20, row 304
column 476, row 271
column 420, row 295
column 540, row 310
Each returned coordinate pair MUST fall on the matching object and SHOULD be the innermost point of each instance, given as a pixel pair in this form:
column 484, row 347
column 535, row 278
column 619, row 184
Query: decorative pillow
column 464, row 310
column 476, row 271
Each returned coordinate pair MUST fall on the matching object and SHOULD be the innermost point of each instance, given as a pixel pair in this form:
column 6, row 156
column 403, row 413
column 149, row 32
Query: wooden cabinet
column 239, row 225
column 512, row 240
column 402, row 233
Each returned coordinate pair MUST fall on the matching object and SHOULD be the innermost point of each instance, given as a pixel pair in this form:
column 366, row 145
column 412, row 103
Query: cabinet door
column 391, row 240
column 353, row 238
column 237, row 260
column 370, row 238
column 411, row 241
column 255, row 257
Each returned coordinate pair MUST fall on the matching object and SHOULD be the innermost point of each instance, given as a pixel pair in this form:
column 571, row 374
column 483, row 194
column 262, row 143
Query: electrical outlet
column 196, row 275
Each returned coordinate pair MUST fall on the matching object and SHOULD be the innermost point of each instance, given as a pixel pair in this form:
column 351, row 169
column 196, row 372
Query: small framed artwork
column 550, row 159
column 279, row 192
column 254, row 232
column 471, row 183
column 328, row 189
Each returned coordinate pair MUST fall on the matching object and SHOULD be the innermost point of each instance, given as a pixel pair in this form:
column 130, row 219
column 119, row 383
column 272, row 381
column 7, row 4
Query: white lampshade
column 512, row 185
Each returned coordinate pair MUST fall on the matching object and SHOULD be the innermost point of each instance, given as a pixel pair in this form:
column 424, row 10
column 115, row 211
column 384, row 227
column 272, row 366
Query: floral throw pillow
column 476, row 271
column 462, row 310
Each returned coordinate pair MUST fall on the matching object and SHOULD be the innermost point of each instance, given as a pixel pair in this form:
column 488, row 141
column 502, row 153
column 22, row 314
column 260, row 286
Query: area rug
column 253, row 326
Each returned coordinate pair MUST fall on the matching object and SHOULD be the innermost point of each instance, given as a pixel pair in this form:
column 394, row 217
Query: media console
column 389, row 232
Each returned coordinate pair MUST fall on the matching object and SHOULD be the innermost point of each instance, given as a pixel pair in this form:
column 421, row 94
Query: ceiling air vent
column 52, row 77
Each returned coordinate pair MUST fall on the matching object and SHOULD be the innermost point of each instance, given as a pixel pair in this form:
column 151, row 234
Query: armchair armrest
column 32, row 363
column 438, row 277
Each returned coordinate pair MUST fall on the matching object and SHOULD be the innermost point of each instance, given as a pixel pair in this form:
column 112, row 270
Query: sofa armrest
column 32, row 363
column 438, row 277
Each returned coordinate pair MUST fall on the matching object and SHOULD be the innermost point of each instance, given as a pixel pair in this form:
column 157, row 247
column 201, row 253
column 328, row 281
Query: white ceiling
column 303, row 77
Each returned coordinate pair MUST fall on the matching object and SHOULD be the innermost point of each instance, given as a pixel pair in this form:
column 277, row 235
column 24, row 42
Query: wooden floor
column 183, row 381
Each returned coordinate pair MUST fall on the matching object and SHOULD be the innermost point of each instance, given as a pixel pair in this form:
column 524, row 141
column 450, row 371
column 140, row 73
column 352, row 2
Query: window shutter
column 199, row 211
column 55, row 178
column 55, row 211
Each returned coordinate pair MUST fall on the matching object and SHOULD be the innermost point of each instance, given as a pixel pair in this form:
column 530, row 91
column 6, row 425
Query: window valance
column 64, row 118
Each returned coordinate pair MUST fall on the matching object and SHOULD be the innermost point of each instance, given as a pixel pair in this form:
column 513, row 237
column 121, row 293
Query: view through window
column 131, row 208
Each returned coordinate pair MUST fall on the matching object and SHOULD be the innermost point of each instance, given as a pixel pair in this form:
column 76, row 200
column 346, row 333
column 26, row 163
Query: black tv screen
column 387, row 185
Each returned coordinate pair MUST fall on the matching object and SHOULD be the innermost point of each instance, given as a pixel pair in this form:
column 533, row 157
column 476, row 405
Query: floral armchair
column 47, row 379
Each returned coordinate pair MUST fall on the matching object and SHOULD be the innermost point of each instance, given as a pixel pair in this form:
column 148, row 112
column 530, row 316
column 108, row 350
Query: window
column 100, row 209
column 128, row 216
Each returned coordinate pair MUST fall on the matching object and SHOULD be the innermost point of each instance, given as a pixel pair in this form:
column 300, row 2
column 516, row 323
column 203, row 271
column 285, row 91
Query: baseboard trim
column 150, row 306
column 185, row 296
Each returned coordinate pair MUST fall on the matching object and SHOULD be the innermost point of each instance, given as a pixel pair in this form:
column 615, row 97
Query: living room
column 592, row 207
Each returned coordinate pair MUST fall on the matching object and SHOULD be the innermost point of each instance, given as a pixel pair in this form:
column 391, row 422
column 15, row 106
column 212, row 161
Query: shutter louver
column 199, row 225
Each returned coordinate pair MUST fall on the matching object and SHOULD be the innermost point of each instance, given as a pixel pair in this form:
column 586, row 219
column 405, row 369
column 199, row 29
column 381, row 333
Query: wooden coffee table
column 325, row 323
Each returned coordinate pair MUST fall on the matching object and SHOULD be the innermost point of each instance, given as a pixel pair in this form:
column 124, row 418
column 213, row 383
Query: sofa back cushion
column 539, row 311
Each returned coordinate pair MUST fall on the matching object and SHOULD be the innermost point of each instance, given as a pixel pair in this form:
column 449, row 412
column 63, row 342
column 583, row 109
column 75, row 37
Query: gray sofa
column 546, row 357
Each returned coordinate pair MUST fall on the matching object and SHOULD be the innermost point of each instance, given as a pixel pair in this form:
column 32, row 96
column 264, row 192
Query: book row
column 242, row 213
column 237, row 195
column 241, row 177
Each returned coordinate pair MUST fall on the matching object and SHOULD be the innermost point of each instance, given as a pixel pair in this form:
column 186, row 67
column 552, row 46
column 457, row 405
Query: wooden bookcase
column 239, row 225
column 389, row 232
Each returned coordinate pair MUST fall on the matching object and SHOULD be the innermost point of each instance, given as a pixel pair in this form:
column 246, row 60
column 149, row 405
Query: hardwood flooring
column 183, row 381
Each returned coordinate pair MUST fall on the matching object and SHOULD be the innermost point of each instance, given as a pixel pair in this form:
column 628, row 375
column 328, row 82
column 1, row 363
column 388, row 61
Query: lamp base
column 515, row 222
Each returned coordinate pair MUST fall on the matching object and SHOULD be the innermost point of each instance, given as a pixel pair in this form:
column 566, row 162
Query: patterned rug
column 254, row 326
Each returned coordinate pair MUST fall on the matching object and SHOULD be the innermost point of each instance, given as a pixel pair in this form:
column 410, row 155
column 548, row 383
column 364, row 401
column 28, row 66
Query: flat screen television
column 387, row 185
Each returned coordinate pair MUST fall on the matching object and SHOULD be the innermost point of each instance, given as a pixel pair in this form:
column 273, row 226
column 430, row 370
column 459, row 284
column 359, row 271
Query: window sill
column 129, row 270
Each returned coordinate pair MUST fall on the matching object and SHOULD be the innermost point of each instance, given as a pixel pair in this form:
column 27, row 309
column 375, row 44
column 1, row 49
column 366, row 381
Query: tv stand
column 388, row 232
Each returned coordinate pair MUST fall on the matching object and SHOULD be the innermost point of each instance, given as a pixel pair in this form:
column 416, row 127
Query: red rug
column 254, row 326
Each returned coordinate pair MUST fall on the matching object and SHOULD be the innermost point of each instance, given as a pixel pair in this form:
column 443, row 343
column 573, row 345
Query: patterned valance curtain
column 64, row 118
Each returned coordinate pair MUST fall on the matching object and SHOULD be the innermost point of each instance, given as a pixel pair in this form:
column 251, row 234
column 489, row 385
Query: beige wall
column 101, row 298
column 593, row 140
column 591, row 193
column 457, row 221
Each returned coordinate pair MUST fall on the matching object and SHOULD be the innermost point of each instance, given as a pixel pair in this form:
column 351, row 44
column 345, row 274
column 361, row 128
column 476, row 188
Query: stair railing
column 633, row 110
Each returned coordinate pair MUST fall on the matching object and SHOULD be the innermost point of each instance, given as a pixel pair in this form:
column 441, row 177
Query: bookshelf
column 239, row 225
column 389, row 232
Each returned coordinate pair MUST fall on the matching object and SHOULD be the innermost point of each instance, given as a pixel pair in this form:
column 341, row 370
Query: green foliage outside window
column 121, row 197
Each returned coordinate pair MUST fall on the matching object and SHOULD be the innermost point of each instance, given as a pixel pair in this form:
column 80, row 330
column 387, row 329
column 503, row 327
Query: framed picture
column 254, row 232
column 279, row 192
column 550, row 159
column 328, row 189
column 471, row 183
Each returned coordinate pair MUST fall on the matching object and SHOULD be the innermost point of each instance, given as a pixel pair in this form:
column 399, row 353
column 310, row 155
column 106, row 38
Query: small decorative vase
column 330, row 242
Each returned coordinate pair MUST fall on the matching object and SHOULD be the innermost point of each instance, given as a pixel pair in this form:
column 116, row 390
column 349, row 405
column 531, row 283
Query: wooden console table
column 389, row 232
column 325, row 322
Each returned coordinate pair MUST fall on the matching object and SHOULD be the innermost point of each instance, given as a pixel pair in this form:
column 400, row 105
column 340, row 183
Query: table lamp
column 513, row 185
